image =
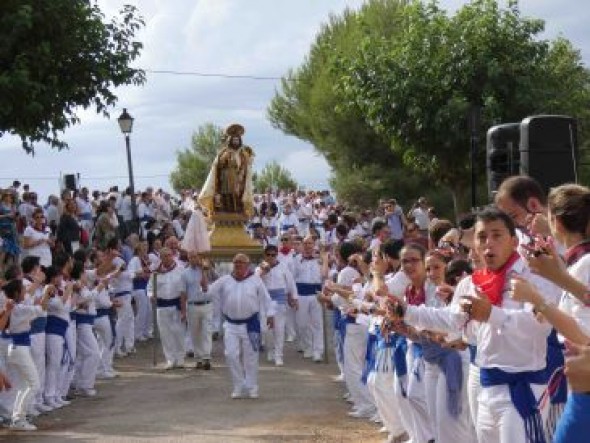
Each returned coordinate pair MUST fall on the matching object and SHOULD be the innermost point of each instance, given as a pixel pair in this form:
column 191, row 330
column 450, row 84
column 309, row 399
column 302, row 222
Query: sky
column 262, row 38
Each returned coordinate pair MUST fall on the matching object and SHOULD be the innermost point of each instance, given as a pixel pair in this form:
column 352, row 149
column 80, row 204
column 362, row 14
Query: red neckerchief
column 164, row 270
column 285, row 250
column 238, row 279
column 42, row 230
column 415, row 296
column 575, row 253
column 310, row 257
column 491, row 283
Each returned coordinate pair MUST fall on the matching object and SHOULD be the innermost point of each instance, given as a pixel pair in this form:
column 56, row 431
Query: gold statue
column 228, row 188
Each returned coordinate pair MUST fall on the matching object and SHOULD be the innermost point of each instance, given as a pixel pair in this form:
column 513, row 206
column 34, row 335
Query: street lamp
column 126, row 124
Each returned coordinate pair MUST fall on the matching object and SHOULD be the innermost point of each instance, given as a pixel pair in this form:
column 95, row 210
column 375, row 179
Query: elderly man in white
column 241, row 300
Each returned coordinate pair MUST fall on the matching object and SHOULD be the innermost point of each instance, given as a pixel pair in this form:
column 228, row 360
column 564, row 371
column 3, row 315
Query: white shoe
column 120, row 354
column 53, row 403
column 43, row 407
column 269, row 357
column 279, row 362
column 63, row 401
column 338, row 378
column 132, row 351
column 23, row 425
column 376, row 419
column 317, row 358
column 86, row 392
column 307, row 354
column 236, row 394
column 384, row 430
column 253, row 393
column 290, row 339
column 33, row 412
column 361, row 413
column 168, row 366
column 178, row 365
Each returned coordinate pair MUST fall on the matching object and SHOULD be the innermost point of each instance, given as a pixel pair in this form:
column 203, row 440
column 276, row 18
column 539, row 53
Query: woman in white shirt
column 37, row 239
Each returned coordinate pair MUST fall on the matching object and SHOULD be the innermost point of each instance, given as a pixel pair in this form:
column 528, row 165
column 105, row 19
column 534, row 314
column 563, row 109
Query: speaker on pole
column 70, row 182
column 549, row 149
column 502, row 154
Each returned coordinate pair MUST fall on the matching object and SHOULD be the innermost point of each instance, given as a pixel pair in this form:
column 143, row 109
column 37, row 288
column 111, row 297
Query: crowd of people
column 450, row 333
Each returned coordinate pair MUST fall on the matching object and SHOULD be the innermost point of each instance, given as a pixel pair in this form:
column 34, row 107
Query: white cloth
column 43, row 251
column 199, row 318
column 572, row 305
column 196, row 236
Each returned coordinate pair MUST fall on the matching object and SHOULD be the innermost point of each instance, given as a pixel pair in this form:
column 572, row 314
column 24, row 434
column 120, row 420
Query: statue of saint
column 228, row 188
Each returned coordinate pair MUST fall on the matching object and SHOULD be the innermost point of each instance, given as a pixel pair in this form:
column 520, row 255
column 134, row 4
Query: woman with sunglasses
column 37, row 239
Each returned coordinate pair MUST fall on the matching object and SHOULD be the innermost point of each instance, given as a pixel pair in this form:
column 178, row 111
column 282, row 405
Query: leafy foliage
column 193, row 164
column 274, row 176
column 56, row 56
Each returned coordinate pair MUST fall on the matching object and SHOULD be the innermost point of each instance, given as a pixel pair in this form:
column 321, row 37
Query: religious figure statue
column 228, row 188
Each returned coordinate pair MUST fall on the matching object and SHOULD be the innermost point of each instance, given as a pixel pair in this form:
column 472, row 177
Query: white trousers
column 422, row 428
column 241, row 359
column 199, row 319
column 124, row 328
column 447, row 428
column 275, row 337
column 291, row 324
column 355, row 349
column 87, row 357
column 310, row 325
column 400, row 389
column 143, row 314
column 7, row 398
column 498, row 420
column 68, row 370
column 380, row 384
column 57, row 363
column 171, row 334
column 473, row 388
column 38, row 353
column 20, row 360
column 104, row 340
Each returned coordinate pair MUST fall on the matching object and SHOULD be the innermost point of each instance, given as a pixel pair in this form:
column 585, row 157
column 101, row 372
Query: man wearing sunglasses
column 242, row 302
column 280, row 285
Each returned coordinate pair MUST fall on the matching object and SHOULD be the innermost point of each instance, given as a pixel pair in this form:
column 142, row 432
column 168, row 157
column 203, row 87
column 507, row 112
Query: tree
column 417, row 87
column 57, row 56
column 274, row 176
column 193, row 164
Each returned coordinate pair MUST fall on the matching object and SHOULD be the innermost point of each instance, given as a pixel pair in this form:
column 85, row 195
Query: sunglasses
column 271, row 255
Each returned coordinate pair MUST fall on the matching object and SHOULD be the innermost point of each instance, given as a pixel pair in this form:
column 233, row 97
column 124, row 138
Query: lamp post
column 126, row 124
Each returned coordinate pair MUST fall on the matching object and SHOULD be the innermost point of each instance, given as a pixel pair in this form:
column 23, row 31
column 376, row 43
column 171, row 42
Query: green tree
column 58, row 56
column 417, row 87
column 193, row 164
column 274, row 176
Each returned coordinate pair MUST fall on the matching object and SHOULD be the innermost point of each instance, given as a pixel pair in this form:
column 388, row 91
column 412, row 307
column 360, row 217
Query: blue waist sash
column 556, row 360
column 21, row 338
column 472, row 353
column 101, row 312
column 522, row 396
column 287, row 227
column 278, row 295
column 56, row 325
column 450, row 363
column 121, row 294
column 370, row 354
column 168, row 303
column 252, row 327
column 400, row 364
column 350, row 320
column 73, row 316
column 86, row 216
column 308, row 288
column 140, row 283
column 38, row 325
column 574, row 425
column 84, row 319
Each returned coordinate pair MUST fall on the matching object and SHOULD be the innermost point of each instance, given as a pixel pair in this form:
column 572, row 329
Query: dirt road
column 298, row 403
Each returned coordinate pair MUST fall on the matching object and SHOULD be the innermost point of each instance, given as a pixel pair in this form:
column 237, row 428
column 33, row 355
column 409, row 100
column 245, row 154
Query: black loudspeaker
column 502, row 154
column 549, row 149
column 70, row 182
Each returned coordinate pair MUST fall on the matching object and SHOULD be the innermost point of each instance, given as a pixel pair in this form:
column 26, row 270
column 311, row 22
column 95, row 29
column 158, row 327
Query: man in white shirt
column 419, row 213
column 242, row 301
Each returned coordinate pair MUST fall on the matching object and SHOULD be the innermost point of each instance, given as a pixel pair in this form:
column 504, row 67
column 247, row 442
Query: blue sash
column 168, row 303
column 21, row 339
column 252, row 327
column 278, row 295
column 400, row 364
column 418, row 354
column 472, row 354
column 522, row 396
column 450, row 363
column 73, row 316
column 101, row 312
column 308, row 288
column 556, row 360
column 287, row 227
column 56, row 325
column 140, row 283
column 84, row 319
column 121, row 294
column 574, row 425
column 86, row 216
column 370, row 355
column 38, row 325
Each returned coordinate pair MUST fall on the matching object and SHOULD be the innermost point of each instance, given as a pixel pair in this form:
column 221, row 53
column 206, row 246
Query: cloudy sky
column 237, row 37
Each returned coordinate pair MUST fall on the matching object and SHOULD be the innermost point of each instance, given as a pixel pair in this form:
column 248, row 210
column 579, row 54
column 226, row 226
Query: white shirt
column 307, row 270
column 43, row 251
column 572, row 305
column 287, row 260
column 124, row 208
column 421, row 217
column 58, row 308
column 21, row 317
column 397, row 283
column 169, row 284
column 279, row 277
column 124, row 282
column 512, row 339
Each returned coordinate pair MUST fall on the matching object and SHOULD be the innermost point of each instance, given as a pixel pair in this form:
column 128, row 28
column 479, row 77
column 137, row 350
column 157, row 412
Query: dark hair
column 494, row 214
column 391, row 248
column 438, row 229
column 50, row 273
column 80, row 255
column 113, row 243
column 455, row 269
column 520, row 188
column 571, row 205
column 77, row 270
column 347, row 249
column 13, row 288
column 12, row 272
column 341, row 229
column 29, row 263
column 332, row 219
column 270, row 248
column 416, row 247
column 60, row 260
column 377, row 226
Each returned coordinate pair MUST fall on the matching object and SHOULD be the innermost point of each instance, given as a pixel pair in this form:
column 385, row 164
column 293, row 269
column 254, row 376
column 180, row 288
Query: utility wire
column 209, row 74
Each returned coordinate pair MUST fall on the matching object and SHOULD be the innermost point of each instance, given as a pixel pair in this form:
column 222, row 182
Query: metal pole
column 131, row 184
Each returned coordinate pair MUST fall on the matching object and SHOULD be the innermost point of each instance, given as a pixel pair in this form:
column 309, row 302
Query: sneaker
column 269, row 357
column 33, row 412
column 120, row 354
column 383, row 430
column 253, row 393
column 279, row 362
column 132, row 351
column 63, row 401
column 22, row 425
column 43, row 407
column 317, row 358
column 168, row 366
column 207, row 365
column 338, row 378
column 290, row 339
column 236, row 394
column 53, row 403
column 86, row 392
column 178, row 365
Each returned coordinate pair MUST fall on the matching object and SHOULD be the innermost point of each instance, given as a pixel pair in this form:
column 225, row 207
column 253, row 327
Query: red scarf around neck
column 491, row 283
column 575, row 253
column 415, row 296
